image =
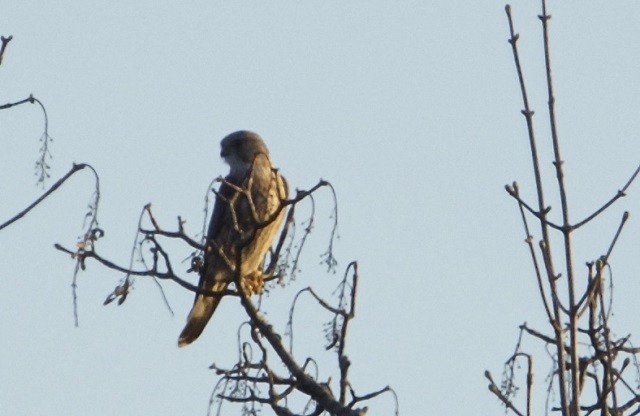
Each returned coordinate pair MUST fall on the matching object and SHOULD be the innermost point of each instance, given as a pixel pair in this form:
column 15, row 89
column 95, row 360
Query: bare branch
column 620, row 194
column 151, row 273
column 174, row 234
column 29, row 99
column 493, row 388
column 42, row 167
column 541, row 215
column 3, row 47
column 305, row 383
column 565, row 309
column 75, row 168
column 544, row 224
column 532, row 252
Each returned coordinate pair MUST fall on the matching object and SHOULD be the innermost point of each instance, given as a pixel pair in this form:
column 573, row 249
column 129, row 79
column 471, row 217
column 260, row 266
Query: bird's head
column 239, row 150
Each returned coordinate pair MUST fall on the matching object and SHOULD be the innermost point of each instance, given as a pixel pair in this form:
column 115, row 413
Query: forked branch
column 577, row 313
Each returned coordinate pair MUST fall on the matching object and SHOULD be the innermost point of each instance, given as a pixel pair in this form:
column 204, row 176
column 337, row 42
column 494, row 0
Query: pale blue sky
column 411, row 109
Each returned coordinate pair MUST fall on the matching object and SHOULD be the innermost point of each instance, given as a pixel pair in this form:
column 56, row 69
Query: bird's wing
column 219, row 235
column 268, row 191
column 221, row 211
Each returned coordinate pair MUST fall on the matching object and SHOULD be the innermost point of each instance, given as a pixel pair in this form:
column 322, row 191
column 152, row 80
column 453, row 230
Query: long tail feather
column 202, row 310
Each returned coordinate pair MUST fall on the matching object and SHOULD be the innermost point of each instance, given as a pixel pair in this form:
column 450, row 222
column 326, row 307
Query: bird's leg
column 253, row 283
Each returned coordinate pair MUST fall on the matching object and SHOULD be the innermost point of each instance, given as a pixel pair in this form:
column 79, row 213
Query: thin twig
column 544, row 224
column 173, row 234
column 91, row 234
column 539, row 215
column 3, row 47
column 566, row 232
column 493, row 388
column 42, row 167
column 534, row 258
column 29, row 99
column 151, row 273
column 75, row 168
column 305, row 383
column 621, row 193
column 343, row 360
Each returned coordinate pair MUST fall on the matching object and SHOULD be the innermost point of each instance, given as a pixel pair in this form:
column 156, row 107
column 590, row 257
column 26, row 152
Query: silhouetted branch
column 252, row 382
column 41, row 166
column 3, row 47
column 373, row 395
column 29, row 99
column 514, row 192
column 621, row 193
column 275, row 255
column 91, row 234
column 493, row 388
column 149, row 273
column 542, row 210
column 328, row 257
column 74, row 169
column 532, row 252
column 305, row 383
column 599, row 365
column 566, row 225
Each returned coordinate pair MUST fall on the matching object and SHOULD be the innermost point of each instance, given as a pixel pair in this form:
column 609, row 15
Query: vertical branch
column 91, row 235
column 557, row 318
column 573, row 309
column 529, row 384
column 599, row 367
column 3, row 47
column 532, row 251
column 608, row 377
column 343, row 360
column 608, row 358
column 42, row 167
column 203, row 238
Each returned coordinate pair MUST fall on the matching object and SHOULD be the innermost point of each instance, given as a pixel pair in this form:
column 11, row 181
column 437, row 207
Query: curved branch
column 174, row 234
column 621, row 193
column 305, row 383
column 74, row 169
column 150, row 273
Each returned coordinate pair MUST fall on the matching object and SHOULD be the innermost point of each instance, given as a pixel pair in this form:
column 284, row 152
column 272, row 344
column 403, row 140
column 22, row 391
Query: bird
column 247, row 214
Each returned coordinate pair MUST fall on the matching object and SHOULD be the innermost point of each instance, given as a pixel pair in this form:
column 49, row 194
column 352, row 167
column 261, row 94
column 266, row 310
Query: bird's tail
column 203, row 308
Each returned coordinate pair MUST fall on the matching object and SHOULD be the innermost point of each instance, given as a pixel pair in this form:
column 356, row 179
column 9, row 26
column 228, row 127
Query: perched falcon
column 242, row 224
